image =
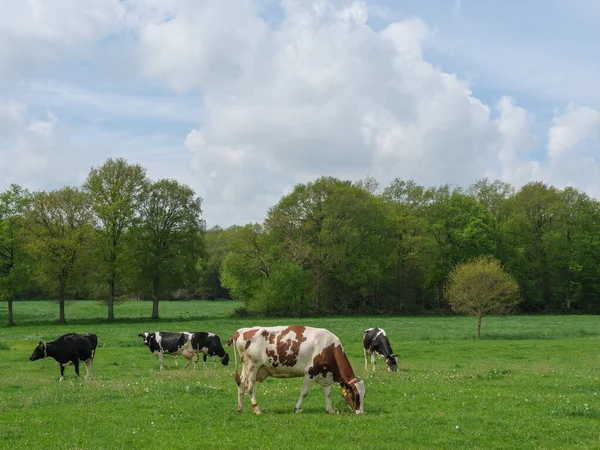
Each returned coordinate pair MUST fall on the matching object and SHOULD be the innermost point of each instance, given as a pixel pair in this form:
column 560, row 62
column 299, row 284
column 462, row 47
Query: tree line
column 119, row 235
column 334, row 246
column 330, row 246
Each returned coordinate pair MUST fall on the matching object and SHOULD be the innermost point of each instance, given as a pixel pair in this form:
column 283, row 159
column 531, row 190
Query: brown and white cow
column 315, row 354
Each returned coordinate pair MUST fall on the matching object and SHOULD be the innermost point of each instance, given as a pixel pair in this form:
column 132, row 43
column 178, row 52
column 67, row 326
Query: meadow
column 531, row 382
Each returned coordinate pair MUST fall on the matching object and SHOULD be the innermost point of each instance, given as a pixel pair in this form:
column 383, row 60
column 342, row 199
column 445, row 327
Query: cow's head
column 392, row 363
column 225, row 359
column 354, row 394
column 39, row 352
column 146, row 337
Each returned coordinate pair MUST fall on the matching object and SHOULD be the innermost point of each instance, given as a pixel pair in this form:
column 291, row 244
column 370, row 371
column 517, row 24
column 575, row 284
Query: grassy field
column 532, row 382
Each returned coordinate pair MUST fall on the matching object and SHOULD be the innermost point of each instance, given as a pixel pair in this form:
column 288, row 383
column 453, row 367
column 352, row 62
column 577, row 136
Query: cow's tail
column 233, row 341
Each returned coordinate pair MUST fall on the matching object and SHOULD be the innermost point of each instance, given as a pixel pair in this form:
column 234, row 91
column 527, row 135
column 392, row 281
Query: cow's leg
column 304, row 392
column 189, row 360
column 161, row 358
column 62, row 372
column 366, row 364
column 252, row 393
column 176, row 361
column 76, row 364
column 88, row 368
column 327, row 395
column 241, row 390
column 373, row 359
column 204, row 359
column 195, row 360
column 214, row 361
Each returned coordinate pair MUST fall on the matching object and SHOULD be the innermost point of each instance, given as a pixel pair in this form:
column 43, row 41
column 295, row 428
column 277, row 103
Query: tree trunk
column 10, row 313
column 61, row 303
column 154, row 307
column 155, row 299
column 216, row 278
column 478, row 326
column 111, row 300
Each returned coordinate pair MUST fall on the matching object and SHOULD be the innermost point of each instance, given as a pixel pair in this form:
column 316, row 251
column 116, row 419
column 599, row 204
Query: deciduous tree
column 115, row 190
column 169, row 237
column 60, row 229
column 480, row 288
column 14, row 261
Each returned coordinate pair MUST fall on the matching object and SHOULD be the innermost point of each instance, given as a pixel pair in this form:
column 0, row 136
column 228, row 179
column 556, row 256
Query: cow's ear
column 40, row 343
column 140, row 335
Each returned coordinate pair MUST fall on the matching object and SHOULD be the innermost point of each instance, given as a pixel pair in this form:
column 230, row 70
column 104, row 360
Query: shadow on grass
column 587, row 414
column 119, row 321
column 533, row 335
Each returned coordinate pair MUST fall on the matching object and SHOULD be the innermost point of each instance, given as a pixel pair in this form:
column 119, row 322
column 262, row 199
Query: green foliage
column 481, row 287
column 283, row 293
column 330, row 246
column 169, row 238
column 59, row 235
column 115, row 190
column 15, row 264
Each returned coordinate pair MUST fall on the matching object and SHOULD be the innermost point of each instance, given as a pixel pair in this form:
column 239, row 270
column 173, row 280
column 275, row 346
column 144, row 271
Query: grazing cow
column 69, row 349
column 315, row 354
column 376, row 343
column 185, row 344
column 164, row 342
column 208, row 344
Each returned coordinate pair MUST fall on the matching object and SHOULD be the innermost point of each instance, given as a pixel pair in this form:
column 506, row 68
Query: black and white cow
column 376, row 344
column 209, row 344
column 186, row 344
column 69, row 349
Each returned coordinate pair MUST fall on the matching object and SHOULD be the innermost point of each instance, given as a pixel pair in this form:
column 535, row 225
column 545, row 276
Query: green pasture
column 532, row 382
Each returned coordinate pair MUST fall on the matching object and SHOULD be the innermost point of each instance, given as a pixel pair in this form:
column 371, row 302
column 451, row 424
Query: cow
column 208, row 344
column 315, row 354
column 186, row 344
column 376, row 344
column 68, row 349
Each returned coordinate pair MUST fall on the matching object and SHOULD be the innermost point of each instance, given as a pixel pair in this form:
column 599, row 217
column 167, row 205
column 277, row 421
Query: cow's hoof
column 298, row 410
column 240, row 410
column 331, row 411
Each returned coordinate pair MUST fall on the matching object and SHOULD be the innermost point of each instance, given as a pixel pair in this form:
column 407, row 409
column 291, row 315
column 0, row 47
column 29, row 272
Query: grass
column 532, row 382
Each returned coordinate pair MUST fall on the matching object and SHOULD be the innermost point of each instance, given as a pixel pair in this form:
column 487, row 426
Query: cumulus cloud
column 570, row 129
column 516, row 141
column 36, row 35
column 281, row 92
column 321, row 94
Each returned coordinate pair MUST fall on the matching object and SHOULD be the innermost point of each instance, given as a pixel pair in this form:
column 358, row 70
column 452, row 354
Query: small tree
column 480, row 288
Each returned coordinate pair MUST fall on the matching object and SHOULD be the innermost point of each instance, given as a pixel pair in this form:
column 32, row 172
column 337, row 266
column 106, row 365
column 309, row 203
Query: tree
column 480, row 288
column 115, row 190
column 211, row 264
column 406, row 202
column 14, row 204
column 59, row 230
column 169, row 237
column 535, row 213
column 248, row 265
column 458, row 227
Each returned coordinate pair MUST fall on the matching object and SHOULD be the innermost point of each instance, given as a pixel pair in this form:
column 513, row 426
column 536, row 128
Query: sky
column 243, row 99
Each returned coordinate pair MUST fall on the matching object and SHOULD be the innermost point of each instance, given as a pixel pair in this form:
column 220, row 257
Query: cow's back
column 284, row 350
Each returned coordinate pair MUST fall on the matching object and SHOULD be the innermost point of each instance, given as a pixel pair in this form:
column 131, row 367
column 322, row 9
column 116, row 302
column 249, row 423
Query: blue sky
column 242, row 99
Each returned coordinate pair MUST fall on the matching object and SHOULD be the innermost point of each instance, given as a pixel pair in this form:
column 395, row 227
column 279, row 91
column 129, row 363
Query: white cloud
column 36, row 35
column 517, row 139
column 570, row 129
column 328, row 95
column 316, row 89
